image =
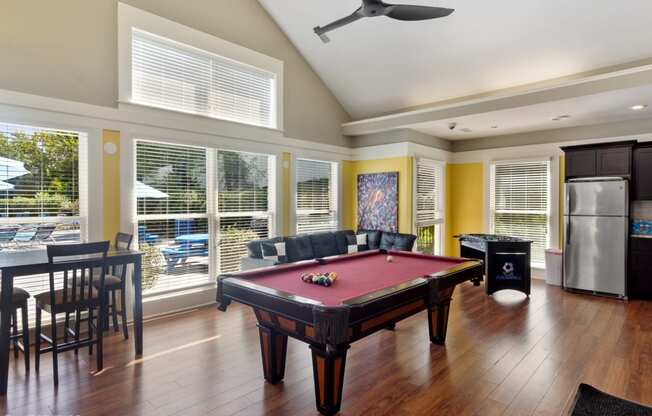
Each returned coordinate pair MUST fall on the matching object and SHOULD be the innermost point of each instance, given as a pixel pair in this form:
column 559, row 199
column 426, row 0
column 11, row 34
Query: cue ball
column 390, row 259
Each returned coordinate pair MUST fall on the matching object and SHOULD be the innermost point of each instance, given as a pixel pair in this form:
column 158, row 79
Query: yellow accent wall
column 464, row 202
column 111, row 184
column 286, row 194
column 350, row 171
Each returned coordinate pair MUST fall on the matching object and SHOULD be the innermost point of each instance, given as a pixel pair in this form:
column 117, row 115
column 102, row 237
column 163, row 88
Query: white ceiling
column 379, row 65
column 591, row 109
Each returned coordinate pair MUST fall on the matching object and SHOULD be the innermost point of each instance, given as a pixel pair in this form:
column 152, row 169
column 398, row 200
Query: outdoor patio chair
column 7, row 235
column 42, row 234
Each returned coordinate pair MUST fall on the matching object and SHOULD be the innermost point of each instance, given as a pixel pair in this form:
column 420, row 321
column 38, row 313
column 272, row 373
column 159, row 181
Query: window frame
column 86, row 180
column 441, row 222
column 270, row 214
column 131, row 18
column 335, row 181
column 552, row 200
column 212, row 210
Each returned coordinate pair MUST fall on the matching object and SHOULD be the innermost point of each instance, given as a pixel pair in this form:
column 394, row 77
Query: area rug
column 590, row 401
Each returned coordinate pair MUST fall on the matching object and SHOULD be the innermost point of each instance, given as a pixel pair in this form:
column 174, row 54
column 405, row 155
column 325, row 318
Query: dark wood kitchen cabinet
column 604, row 159
column 643, row 172
column 639, row 279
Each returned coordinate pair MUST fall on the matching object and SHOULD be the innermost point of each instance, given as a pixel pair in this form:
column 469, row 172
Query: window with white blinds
column 316, row 196
column 243, row 204
column 172, row 215
column 429, row 205
column 520, row 203
column 170, row 75
column 43, row 193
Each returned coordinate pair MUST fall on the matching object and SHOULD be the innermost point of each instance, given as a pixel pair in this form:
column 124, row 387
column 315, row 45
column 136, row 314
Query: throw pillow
column 274, row 251
column 357, row 243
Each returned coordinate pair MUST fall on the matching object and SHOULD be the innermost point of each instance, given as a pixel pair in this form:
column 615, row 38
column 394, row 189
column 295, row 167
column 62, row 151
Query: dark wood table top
column 29, row 260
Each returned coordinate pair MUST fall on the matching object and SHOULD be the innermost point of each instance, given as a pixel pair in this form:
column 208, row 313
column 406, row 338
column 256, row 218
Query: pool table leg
column 273, row 346
column 328, row 370
column 438, row 316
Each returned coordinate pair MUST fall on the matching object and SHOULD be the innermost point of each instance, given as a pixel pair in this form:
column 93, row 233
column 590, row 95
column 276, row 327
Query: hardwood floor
column 505, row 355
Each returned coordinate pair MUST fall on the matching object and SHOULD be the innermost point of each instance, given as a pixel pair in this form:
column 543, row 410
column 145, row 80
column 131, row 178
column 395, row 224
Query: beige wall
column 67, row 49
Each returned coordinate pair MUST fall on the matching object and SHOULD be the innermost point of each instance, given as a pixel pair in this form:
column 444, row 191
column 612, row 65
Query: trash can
column 554, row 268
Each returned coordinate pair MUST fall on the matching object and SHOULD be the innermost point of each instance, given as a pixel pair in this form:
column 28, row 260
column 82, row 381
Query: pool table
column 371, row 293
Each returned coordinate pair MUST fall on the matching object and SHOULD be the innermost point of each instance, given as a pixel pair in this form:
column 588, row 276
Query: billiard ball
column 390, row 259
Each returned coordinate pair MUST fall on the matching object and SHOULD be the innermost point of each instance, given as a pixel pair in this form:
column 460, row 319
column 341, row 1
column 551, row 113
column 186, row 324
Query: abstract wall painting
column 378, row 201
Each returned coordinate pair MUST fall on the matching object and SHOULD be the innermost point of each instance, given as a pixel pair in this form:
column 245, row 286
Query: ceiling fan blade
column 408, row 12
column 321, row 30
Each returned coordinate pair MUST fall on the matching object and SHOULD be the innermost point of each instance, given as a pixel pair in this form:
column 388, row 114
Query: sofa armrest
column 248, row 263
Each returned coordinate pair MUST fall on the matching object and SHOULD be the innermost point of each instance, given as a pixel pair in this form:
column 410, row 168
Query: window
column 244, row 203
column 173, row 76
column 520, row 203
column 42, row 192
column 429, row 206
column 172, row 215
column 178, row 225
column 316, row 196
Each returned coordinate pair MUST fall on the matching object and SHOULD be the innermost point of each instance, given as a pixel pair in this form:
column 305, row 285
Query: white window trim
column 130, row 18
column 553, row 199
column 442, row 222
column 166, row 298
column 336, row 179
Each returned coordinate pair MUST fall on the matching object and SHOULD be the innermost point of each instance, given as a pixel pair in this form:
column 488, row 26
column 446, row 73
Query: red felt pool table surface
column 357, row 275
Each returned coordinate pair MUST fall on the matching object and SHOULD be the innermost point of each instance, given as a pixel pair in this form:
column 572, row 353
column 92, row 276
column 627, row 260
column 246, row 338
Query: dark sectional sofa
column 312, row 246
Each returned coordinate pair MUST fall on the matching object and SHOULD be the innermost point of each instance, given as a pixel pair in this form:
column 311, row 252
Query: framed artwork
column 378, row 201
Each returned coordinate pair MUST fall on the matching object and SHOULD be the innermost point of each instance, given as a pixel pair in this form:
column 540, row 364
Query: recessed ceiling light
column 639, row 107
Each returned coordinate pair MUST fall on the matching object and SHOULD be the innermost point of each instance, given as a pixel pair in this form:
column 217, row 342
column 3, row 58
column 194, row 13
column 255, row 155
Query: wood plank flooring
column 505, row 355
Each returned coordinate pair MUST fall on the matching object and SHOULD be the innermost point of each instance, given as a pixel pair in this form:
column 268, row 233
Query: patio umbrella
column 10, row 168
column 146, row 191
column 4, row 186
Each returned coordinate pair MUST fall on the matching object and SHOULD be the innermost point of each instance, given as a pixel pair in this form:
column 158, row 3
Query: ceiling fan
column 375, row 8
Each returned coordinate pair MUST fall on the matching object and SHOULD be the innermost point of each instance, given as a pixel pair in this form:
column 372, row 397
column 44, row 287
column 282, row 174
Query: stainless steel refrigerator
column 596, row 225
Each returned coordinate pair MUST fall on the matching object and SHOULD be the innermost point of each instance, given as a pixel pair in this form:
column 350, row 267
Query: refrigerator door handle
column 568, row 204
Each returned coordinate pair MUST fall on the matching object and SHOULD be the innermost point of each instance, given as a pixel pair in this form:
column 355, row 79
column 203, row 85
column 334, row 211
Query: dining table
column 34, row 262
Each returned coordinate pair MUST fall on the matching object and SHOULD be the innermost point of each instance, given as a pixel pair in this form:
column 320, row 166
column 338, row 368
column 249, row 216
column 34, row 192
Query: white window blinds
column 429, row 201
column 39, row 172
column 173, row 230
column 520, row 203
column 174, row 76
column 43, row 193
column 243, row 181
column 316, row 196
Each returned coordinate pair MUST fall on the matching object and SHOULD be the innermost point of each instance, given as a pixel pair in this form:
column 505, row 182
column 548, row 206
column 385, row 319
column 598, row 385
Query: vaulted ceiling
column 377, row 66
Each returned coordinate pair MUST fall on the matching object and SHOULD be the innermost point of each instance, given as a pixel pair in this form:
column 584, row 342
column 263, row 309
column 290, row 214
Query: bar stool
column 20, row 341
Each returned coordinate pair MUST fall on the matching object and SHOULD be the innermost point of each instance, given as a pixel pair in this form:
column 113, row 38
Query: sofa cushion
column 299, row 248
column 341, row 240
column 373, row 238
column 397, row 241
column 323, row 244
column 253, row 247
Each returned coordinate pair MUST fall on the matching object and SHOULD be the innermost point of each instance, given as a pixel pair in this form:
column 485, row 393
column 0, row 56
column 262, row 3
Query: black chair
column 21, row 341
column 116, row 280
column 75, row 261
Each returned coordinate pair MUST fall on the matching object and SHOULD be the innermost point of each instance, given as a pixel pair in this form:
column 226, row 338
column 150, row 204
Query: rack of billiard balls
column 322, row 279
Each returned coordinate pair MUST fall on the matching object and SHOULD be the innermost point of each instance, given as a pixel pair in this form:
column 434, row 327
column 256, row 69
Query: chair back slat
column 122, row 242
column 74, row 259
